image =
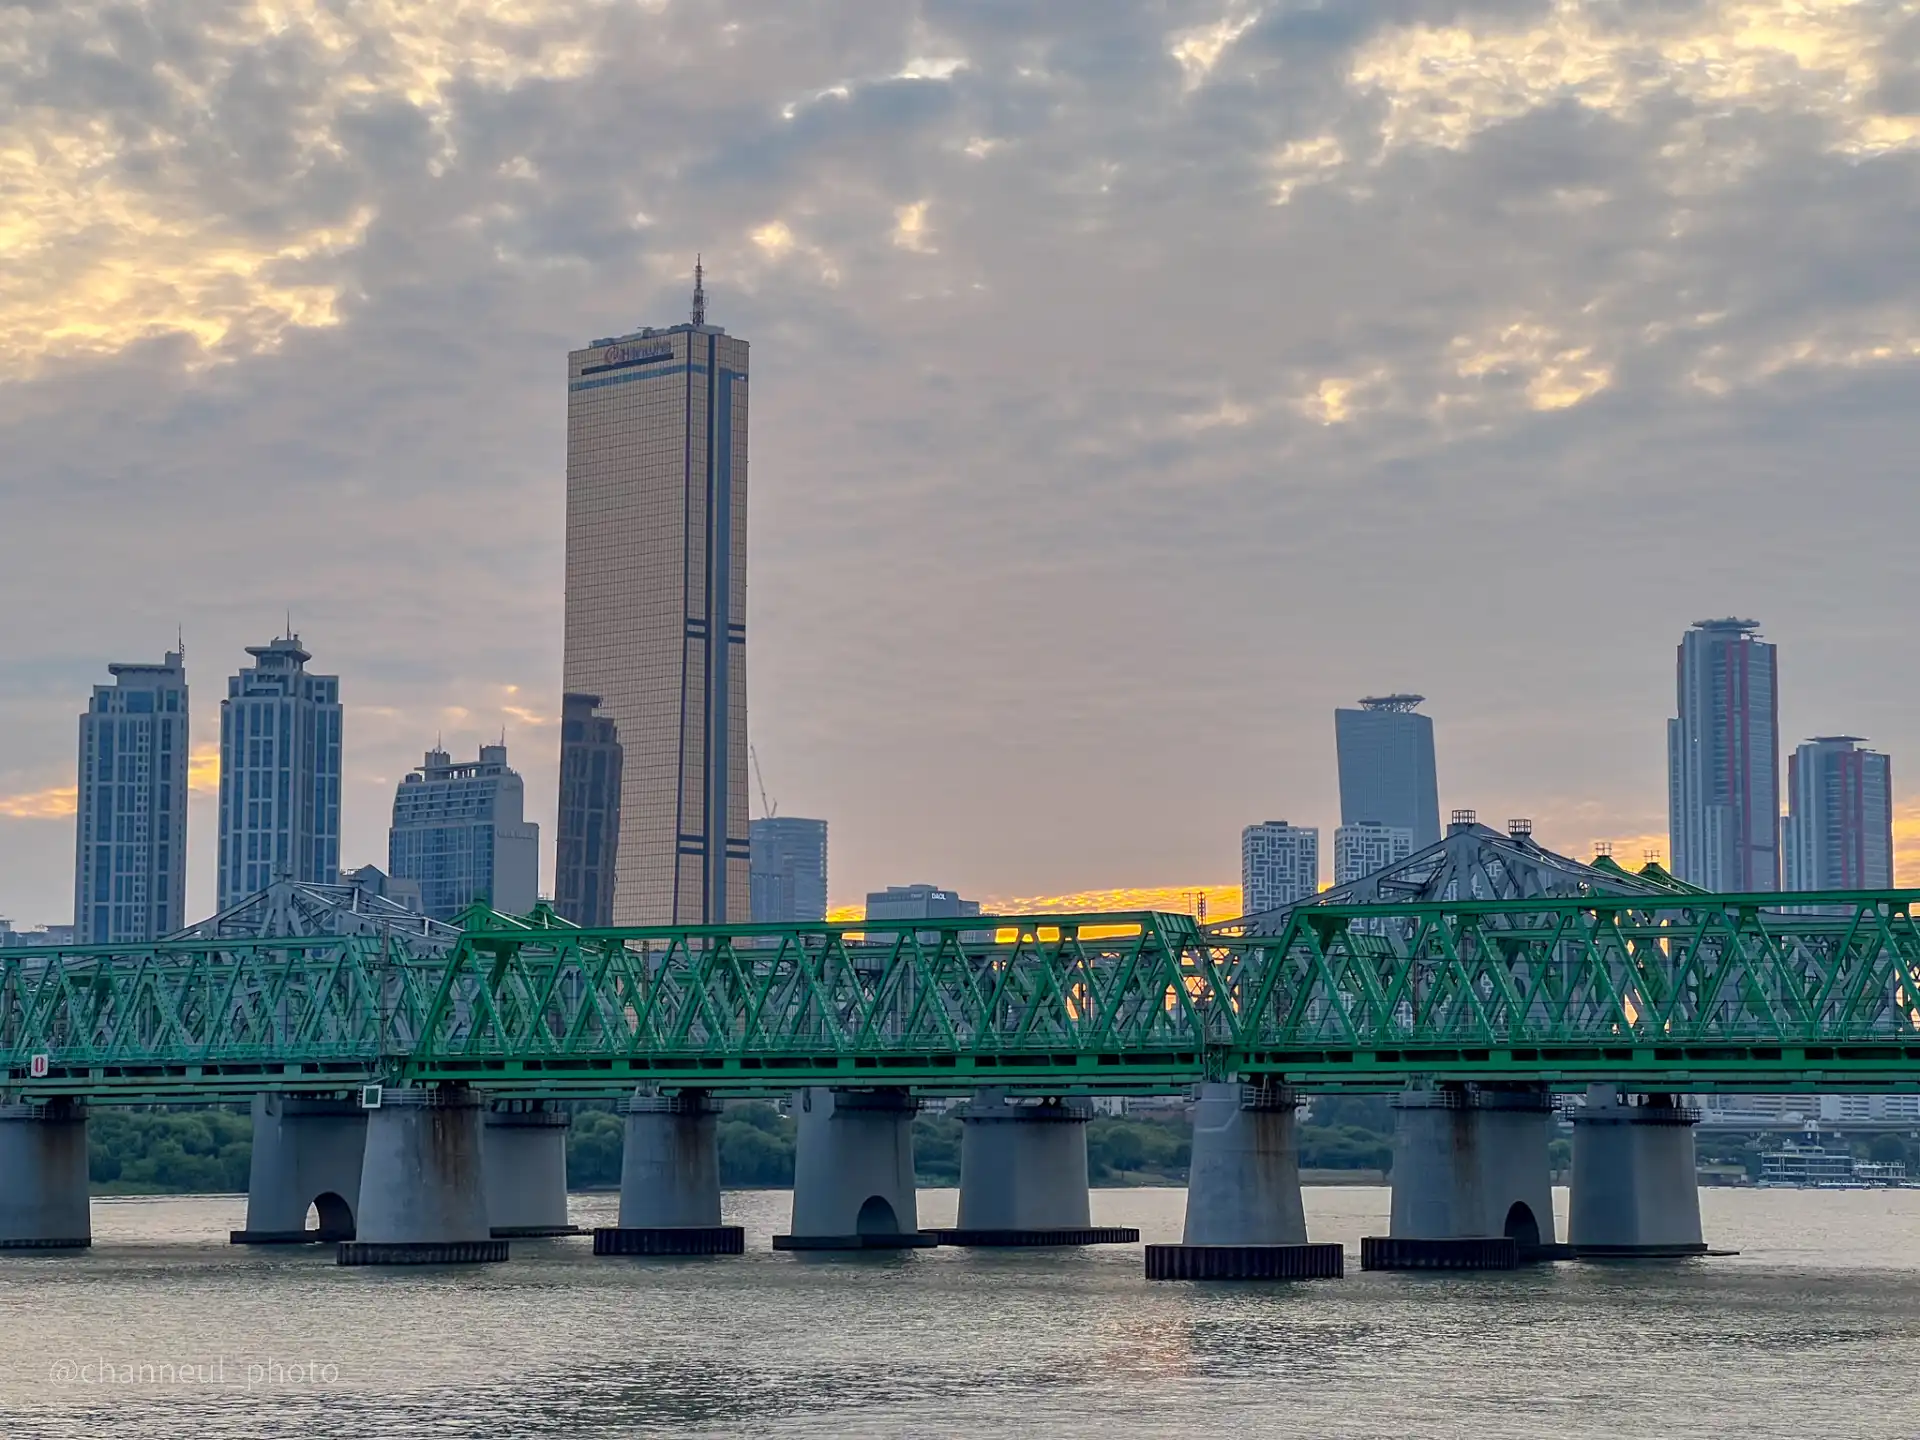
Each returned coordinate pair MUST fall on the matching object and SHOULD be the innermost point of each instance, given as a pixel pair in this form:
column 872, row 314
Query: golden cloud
column 203, row 770
column 1444, row 84
column 1221, row 902
column 97, row 260
column 56, row 802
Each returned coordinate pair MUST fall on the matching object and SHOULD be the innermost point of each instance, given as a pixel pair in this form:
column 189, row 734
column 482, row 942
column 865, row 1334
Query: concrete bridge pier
column 853, row 1172
column 1472, row 1183
column 307, row 1151
column 1023, row 1175
column 670, row 1180
column 1245, row 1220
column 525, row 1144
column 1635, row 1191
column 423, row 1194
column 43, row 1176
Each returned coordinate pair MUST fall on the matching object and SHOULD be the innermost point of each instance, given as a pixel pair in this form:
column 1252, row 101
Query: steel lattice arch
column 1660, row 988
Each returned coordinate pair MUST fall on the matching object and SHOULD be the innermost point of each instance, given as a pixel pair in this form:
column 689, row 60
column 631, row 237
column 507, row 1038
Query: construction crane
column 768, row 808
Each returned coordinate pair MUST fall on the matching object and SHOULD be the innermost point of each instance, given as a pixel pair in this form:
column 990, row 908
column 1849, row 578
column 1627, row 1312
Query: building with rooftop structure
column 656, row 603
column 280, row 758
column 1385, row 751
column 460, row 833
column 130, row 822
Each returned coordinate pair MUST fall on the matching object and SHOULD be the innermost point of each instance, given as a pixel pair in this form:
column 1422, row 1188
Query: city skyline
column 1224, row 898
column 1019, row 547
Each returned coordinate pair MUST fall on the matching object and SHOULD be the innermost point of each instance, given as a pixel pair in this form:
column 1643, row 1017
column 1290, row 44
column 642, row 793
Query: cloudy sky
column 1133, row 383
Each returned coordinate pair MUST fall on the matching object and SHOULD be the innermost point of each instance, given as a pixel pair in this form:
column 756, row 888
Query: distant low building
column 918, row 902
column 461, row 834
column 374, row 881
column 11, row 938
column 789, row 873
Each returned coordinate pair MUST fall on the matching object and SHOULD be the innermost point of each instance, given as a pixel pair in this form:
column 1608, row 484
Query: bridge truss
column 1675, row 992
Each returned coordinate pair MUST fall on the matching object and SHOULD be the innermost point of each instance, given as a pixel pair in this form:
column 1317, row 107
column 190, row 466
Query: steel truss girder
column 1671, row 992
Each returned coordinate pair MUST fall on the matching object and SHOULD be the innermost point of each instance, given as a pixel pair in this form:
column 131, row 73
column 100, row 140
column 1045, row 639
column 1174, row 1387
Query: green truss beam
column 1708, row 991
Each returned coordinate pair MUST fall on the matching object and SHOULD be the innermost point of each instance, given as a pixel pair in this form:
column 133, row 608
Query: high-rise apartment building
column 1838, row 832
column 130, row 850
column 1361, row 849
column 460, row 832
column 1386, row 766
column 589, row 843
column 789, row 869
column 656, row 605
column 1723, row 760
column 1279, row 864
column 279, row 773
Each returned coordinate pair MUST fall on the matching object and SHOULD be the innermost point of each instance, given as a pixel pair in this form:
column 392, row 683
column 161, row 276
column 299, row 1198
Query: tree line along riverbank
column 208, row 1150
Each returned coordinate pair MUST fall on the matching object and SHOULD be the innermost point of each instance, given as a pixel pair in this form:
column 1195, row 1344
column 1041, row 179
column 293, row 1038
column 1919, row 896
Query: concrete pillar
column 43, row 1176
column 1245, row 1220
column 1470, row 1165
column 306, row 1155
column 1023, row 1175
column 525, row 1144
column 853, row 1183
column 1635, row 1191
column 670, row 1180
column 423, row 1196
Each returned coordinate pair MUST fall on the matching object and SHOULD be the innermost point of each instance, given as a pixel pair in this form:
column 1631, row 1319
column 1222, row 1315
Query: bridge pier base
column 670, row 1180
column 307, row 1151
column 1023, row 1175
column 1635, row 1191
column 423, row 1194
column 1245, row 1220
column 1472, row 1184
column 43, row 1176
column 526, row 1170
column 853, row 1172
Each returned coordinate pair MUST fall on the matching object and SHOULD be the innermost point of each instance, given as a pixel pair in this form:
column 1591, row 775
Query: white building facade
column 656, row 603
column 1361, row 849
column 461, row 834
column 130, row 845
column 1279, row 864
column 279, row 774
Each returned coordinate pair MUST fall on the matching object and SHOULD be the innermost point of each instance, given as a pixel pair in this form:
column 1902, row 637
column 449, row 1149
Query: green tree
column 593, row 1149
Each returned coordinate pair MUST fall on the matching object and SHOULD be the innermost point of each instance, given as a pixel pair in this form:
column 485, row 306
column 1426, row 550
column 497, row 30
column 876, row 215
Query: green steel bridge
column 1672, row 991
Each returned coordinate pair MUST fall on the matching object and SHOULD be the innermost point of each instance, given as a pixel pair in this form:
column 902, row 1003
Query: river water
column 1812, row 1330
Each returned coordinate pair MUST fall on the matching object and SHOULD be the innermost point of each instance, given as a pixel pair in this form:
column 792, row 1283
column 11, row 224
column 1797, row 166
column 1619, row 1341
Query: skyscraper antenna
column 699, row 293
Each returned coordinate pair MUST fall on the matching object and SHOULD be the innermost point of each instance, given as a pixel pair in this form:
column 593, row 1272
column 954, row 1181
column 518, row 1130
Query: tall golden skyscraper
column 656, row 605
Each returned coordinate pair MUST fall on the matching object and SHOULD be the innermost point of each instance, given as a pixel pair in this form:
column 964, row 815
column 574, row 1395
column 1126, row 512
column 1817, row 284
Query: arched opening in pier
column 1522, row 1228
column 877, row 1217
column 331, row 1217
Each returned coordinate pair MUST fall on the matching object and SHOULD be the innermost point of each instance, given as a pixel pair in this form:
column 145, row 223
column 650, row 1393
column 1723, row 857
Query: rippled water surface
column 1813, row 1330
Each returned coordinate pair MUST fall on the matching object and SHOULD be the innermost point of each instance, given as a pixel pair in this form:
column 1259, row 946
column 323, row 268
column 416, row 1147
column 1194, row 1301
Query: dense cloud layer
column 1133, row 383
